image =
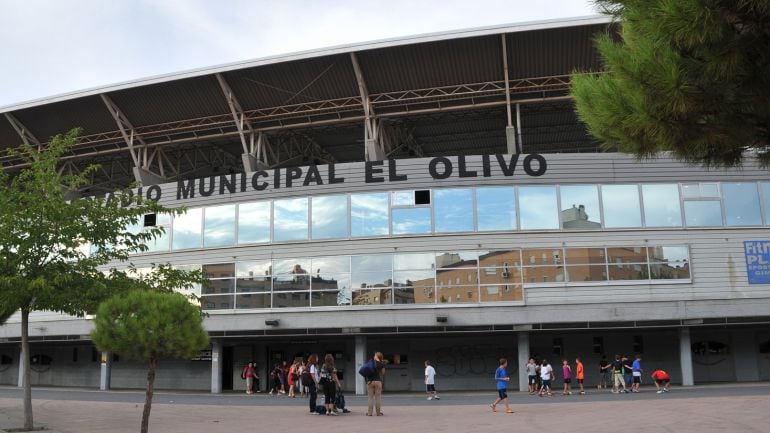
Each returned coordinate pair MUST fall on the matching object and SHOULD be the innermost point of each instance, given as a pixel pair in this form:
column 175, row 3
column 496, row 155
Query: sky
column 50, row 47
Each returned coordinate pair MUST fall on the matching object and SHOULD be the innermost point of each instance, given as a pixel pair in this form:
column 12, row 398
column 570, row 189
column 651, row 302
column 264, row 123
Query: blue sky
column 54, row 46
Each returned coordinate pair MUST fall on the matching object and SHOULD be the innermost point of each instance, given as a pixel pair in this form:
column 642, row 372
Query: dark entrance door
column 227, row 368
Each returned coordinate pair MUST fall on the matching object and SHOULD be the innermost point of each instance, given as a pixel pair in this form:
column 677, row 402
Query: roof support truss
column 373, row 148
column 143, row 156
column 26, row 136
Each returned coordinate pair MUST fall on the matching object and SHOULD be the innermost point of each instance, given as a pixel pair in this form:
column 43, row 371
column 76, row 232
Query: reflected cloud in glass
column 496, row 208
column 330, row 217
column 290, row 219
column 369, row 214
column 453, row 209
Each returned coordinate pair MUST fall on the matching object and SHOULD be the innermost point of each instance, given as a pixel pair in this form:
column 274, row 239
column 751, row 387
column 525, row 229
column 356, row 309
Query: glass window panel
column 330, row 299
column 219, row 286
column 661, row 205
column 621, row 206
column 629, row 271
column 627, row 255
column 511, row 275
column 499, row 259
column 161, row 242
column 458, row 295
column 765, row 187
column 330, row 282
column 502, row 292
column 690, row 190
column 543, row 274
column 187, row 229
column 253, row 269
column 584, row 256
column 538, row 207
column 414, row 278
column 253, row 300
column 411, row 220
column 196, row 287
column 403, row 198
column 670, row 271
column 457, row 259
column 496, row 208
column 369, row 214
column 363, row 280
column 669, row 254
column 580, row 207
column 219, row 226
column 290, row 219
column 379, row 262
column 331, row 265
column 373, row 297
column 254, row 222
column 741, row 204
column 709, row 190
column 449, row 277
column 291, row 266
column 453, row 210
column 220, row 270
column 703, row 213
column 291, row 282
column 415, row 295
column 291, row 299
column 413, row 261
column 217, row 302
column 330, row 217
column 542, row 256
column 253, row 284
column 580, row 273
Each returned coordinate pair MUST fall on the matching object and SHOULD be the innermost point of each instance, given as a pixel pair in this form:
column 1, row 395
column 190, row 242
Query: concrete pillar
column 523, row 350
column 216, row 366
column 106, row 371
column 21, row 367
column 510, row 140
column 361, row 358
column 685, row 357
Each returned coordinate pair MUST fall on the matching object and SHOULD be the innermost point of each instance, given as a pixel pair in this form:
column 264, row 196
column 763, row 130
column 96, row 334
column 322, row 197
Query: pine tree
column 690, row 77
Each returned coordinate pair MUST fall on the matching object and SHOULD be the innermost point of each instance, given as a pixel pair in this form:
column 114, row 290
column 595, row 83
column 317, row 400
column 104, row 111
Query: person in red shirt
column 661, row 378
column 580, row 374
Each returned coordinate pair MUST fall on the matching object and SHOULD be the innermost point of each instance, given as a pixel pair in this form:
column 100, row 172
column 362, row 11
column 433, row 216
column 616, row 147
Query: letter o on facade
column 153, row 193
column 433, row 167
column 541, row 165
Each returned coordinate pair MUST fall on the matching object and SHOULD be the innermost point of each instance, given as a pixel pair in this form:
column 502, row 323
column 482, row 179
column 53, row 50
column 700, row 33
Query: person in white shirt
column 430, row 381
column 546, row 374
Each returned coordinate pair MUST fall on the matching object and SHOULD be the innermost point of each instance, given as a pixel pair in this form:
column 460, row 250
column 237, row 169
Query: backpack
column 368, row 369
column 306, row 378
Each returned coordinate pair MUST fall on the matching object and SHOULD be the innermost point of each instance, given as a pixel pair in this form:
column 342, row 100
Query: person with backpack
column 329, row 383
column 312, row 381
column 373, row 372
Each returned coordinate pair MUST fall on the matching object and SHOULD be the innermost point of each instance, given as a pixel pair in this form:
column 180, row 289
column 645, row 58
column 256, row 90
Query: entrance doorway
column 227, row 368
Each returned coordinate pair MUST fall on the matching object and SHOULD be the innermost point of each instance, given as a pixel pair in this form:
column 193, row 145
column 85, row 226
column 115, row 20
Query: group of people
column 540, row 375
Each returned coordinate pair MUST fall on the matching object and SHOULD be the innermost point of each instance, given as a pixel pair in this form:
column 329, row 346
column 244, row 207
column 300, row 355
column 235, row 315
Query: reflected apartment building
column 419, row 198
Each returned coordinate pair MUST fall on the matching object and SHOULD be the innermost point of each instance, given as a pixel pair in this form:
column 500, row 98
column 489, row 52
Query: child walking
column 546, row 374
column 501, row 376
column 580, row 375
column 566, row 372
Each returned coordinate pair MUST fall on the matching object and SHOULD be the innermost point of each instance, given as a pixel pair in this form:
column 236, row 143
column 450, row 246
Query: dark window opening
column 422, row 196
column 150, row 220
column 638, row 344
column 74, row 354
column 598, row 345
column 558, row 347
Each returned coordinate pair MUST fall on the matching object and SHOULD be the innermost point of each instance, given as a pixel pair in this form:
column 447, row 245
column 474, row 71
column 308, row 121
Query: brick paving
column 687, row 413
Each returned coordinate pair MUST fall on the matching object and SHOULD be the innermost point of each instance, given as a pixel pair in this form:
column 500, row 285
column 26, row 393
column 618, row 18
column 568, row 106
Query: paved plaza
column 725, row 408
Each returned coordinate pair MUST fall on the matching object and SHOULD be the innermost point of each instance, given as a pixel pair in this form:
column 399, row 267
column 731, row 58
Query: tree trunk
column 148, row 395
column 27, row 379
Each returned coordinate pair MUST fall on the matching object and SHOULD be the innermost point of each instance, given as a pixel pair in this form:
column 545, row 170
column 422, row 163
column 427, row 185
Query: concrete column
column 21, row 367
column 523, row 350
column 361, row 358
column 685, row 357
column 510, row 140
column 106, row 371
column 216, row 366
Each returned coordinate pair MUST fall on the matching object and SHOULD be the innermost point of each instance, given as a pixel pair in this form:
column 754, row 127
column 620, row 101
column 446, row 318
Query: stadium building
column 430, row 197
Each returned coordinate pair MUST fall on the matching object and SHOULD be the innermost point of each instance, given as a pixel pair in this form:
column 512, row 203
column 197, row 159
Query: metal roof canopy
column 315, row 103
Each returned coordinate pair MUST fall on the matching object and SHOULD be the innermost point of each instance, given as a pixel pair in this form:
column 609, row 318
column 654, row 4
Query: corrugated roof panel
column 88, row 113
column 543, row 53
column 433, row 64
column 190, row 98
column 295, row 82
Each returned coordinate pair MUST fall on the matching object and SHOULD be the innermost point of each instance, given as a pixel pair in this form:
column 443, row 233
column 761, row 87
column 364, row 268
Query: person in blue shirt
column 636, row 369
column 502, row 379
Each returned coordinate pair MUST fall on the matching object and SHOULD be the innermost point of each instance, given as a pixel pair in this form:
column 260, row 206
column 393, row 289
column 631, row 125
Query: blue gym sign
column 757, row 261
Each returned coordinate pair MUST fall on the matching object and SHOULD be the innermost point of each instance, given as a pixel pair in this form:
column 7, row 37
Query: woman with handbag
column 329, row 383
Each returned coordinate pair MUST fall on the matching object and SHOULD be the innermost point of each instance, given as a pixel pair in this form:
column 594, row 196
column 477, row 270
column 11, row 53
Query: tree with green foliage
column 149, row 326
column 54, row 246
column 690, row 77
